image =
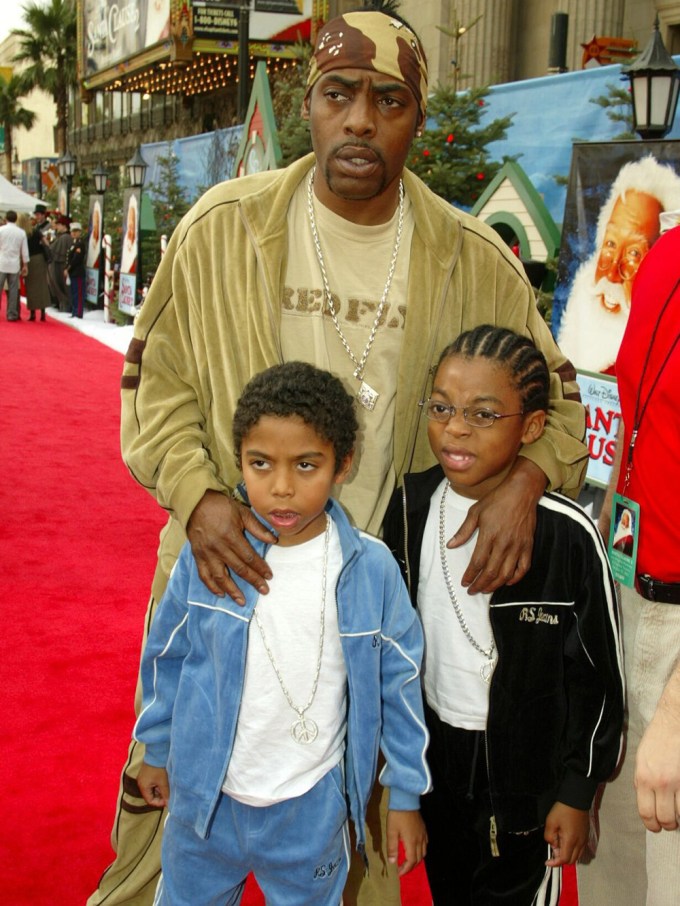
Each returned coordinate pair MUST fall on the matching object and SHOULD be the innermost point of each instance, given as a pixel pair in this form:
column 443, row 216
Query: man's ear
column 534, row 423
column 344, row 469
column 305, row 106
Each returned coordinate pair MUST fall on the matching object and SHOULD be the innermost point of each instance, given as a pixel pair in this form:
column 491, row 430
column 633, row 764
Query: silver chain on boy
column 367, row 396
column 304, row 730
column 486, row 669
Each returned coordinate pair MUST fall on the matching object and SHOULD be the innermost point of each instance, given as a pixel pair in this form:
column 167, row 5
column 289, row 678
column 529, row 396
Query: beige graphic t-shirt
column 357, row 260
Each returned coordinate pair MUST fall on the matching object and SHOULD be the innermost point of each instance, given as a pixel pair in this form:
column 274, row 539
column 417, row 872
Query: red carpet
column 77, row 547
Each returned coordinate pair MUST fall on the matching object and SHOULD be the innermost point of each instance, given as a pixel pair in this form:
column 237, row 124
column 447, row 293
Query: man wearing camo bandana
column 348, row 261
column 371, row 41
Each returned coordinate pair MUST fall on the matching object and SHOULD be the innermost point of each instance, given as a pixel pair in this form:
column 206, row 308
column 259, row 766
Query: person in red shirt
column 631, row 866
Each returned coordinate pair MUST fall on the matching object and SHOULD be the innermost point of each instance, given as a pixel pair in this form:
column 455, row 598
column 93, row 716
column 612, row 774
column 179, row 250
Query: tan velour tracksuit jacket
column 211, row 320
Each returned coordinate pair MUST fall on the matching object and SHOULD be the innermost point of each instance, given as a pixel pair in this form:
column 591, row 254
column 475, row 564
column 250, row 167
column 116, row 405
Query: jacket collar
column 267, row 207
column 348, row 536
column 420, row 486
column 434, row 218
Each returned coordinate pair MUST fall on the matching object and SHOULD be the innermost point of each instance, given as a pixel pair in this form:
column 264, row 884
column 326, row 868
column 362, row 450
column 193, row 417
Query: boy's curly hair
column 296, row 388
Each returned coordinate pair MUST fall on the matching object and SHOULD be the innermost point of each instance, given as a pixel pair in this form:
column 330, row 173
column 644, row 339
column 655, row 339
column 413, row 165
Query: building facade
column 36, row 146
column 166, row 69
column 510, row 40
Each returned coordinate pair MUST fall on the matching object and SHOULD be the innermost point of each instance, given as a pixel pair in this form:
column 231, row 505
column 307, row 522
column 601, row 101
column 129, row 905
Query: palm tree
column 13, row 115
column 48, row 44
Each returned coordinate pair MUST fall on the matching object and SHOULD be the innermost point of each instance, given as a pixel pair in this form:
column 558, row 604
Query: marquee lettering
column 119, row 17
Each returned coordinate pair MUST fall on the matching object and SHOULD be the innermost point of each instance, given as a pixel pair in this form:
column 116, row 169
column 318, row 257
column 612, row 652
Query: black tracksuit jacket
column 557, row 692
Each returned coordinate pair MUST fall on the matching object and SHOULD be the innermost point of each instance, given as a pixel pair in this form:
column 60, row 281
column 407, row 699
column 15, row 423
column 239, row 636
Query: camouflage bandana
column 375, row 41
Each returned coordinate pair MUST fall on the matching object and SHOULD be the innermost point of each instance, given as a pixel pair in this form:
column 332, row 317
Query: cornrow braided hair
column 516, row 353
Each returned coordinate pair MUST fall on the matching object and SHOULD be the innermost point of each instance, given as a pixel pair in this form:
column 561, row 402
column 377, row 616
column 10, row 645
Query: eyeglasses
column 628, row 258
column 437, row 411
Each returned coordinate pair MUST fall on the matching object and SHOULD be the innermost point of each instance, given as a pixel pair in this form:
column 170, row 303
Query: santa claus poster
column 600, row 396
column 127, row 281
column 615, row 195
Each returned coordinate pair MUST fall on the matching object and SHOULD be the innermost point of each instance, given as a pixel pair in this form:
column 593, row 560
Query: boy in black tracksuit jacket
column 555, row 696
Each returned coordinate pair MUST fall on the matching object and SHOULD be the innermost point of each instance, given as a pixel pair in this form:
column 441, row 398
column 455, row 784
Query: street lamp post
column 131, row 275
column 655, row 82
column 100, row 176
column 136, row 169
column 243, row 63
column 66, row 166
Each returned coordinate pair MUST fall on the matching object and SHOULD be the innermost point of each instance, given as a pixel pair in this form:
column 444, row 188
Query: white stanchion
column 108, row 279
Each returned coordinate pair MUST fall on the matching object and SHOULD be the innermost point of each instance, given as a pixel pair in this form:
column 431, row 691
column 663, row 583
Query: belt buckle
column 647, row 586
column 659, row 592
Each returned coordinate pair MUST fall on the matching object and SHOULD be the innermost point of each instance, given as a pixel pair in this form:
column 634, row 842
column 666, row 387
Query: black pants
column 461, row 869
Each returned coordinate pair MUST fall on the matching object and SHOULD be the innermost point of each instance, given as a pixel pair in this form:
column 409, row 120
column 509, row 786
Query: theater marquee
column 146, row 46
column 114, row 30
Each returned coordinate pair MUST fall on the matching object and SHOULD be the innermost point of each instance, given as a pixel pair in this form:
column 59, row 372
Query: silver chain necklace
column 366, row 395
column 304, row 730
column 486, row 669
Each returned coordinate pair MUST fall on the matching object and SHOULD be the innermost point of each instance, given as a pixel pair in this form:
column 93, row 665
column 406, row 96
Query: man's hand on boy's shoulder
column 566, row 831
column 215, row 532
column 153, row 785
column 409, row 827
column 506, row 520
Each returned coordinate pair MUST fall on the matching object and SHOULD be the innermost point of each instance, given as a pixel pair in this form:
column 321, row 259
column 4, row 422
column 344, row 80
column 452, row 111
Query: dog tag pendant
column 486, row 670
column 367, row 396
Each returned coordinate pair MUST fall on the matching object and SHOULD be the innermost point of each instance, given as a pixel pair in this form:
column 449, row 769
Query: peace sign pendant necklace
column 303, row 730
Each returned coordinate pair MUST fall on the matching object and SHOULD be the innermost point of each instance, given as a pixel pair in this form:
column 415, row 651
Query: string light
column 207, row 73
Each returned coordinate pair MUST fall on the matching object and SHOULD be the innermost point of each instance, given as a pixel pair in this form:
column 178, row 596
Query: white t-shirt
column 267, row 765
column 452, row 679
column 357, row 260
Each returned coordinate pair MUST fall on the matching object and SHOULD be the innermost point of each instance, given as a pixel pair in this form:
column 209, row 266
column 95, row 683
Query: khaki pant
column 138, row 828
column 632, row 866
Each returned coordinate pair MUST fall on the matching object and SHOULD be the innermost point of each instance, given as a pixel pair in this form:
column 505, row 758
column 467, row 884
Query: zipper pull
column 493, row 837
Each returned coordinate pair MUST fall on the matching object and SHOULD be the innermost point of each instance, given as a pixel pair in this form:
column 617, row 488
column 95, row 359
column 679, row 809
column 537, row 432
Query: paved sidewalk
column 92, row 324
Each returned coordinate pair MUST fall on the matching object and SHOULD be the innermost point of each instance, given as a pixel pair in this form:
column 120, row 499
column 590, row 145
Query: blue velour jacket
column 193, row 670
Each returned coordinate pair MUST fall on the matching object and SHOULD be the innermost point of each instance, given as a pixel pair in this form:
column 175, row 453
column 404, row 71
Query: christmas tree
column 169, row 197
column 451, row 156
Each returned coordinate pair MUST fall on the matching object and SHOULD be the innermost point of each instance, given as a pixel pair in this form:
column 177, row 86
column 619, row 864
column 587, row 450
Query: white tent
column 13, row 199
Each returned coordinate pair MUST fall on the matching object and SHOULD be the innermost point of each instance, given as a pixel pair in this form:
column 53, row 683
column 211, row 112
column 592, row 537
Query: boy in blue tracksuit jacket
column 523, row 688
column 262, row 723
